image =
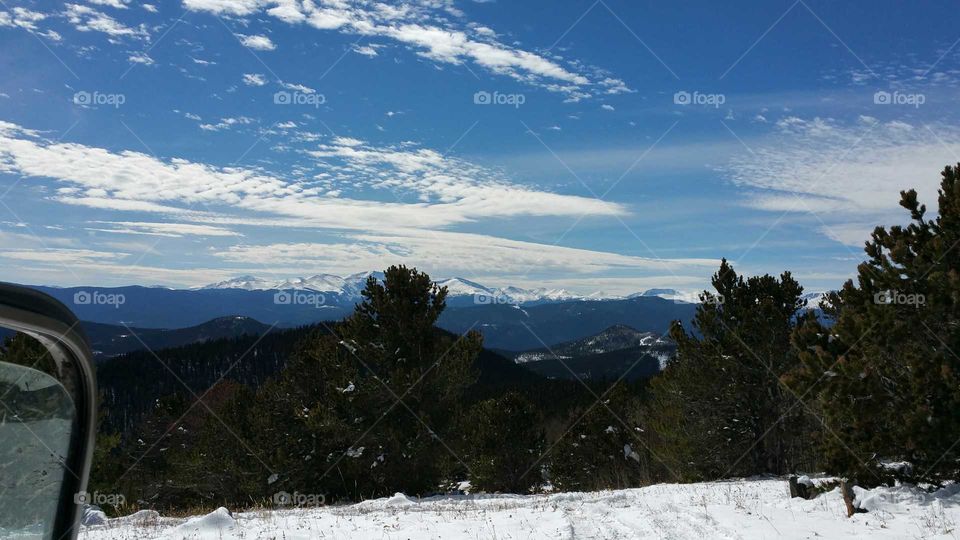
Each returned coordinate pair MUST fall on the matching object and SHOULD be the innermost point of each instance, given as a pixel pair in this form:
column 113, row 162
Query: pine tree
column 217, row 464
column 886, row 376
column 309, row 420
column 719, row 407
column 25, row 350
column 369, row 410
column 150, row 456
column 503, row 444
column 605, row 447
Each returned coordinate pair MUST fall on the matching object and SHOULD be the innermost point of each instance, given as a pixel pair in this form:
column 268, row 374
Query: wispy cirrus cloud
column 450, row 190
column 849, row 174
column 172, row 230
column 62, row 256
column 473, row 255
column 201, row 200
column 432, row 177
column 116, row 4
column 428, row 28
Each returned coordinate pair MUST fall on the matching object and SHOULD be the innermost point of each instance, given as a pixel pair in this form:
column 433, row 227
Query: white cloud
column 61, row 256
column 149, row 7
column 427, row 28
column 615, row 86
column 484, row 31
column 297, row 87
column 607, row 107
column 87, row 19
column 225, row 123
column 106, row 268
column 21, row 18
column 123, row 205
column 443, row 180
column 457, row 191
column 366, row 50
column 446, row 253
column 287, row 11
column 196, row 199
column 117, row 4
column 254, row 79
column 161, row 229
column 224, row 7
column 347, row 141
column 140, row 58
column 851, row 234
column 257, row 42
column 52, row 35
column 848, row 174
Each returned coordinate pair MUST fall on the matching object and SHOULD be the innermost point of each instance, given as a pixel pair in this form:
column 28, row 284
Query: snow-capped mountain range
column 350, row 287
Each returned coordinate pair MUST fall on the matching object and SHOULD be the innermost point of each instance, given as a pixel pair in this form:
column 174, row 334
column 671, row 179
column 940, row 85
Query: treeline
column 871, row 393
column 380, row 402
column 867, row 389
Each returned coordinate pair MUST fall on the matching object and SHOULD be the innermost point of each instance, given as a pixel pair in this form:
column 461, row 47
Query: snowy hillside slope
column 614, row 338
column 746, row 509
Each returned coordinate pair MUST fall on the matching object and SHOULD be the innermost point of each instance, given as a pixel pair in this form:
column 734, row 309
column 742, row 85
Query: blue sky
column 598, row 146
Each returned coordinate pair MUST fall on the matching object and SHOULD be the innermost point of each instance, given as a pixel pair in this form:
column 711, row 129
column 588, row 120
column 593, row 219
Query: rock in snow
column 216, row 524
column 399, row 499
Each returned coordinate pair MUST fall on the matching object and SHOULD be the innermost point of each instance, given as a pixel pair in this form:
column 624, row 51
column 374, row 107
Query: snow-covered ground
column 731, row 509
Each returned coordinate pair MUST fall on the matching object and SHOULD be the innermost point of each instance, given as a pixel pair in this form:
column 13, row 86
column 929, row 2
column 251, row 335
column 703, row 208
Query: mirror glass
column 36, row 421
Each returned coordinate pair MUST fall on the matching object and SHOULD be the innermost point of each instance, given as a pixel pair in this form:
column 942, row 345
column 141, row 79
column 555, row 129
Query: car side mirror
column 47, row 416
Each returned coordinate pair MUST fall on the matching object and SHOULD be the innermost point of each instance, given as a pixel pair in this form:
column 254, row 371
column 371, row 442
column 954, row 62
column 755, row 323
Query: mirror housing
column 57, row 328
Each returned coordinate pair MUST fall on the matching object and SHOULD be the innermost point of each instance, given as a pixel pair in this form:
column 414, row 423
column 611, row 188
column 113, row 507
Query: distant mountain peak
column 621, row 328
column 659, row 292
column 460, row 286
column 248, row 283
column 812, row 300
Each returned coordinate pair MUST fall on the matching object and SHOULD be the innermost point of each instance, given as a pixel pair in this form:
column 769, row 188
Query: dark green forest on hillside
column 383, row 401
